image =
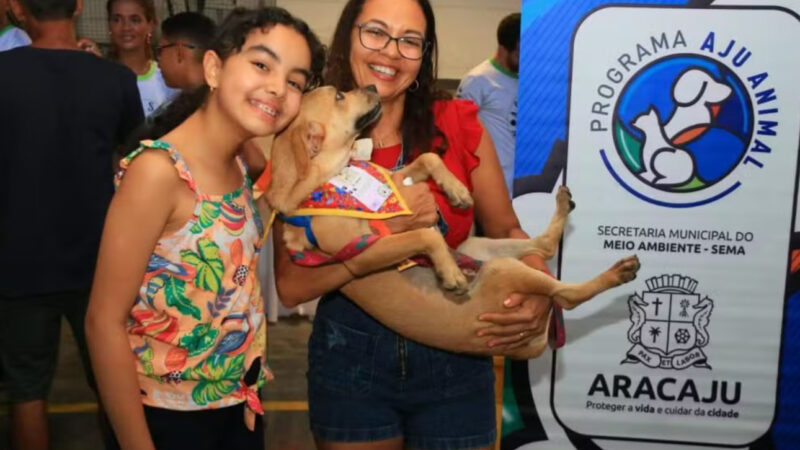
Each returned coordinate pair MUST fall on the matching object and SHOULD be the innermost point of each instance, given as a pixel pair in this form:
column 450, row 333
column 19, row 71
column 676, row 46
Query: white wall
column 466, row 28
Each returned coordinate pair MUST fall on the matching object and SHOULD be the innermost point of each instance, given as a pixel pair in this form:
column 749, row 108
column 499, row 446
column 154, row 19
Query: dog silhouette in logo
column 697, row 97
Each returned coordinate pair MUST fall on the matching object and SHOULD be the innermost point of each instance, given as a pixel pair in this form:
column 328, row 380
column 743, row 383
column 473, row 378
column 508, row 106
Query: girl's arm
column 493, row 210
column 138, row 214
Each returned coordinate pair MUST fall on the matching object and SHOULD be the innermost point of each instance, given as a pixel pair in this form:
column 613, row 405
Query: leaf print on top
column 220, row 303
column 159, row 271
column 208, row 264
column 218, row 377
column 174, row 293
column 145, row 354
column 208, row 212
column 200, row 339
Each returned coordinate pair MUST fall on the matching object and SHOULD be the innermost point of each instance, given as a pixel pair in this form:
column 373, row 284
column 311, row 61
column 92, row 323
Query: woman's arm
column 298, row 284
column 527, row 314
column 138, row 214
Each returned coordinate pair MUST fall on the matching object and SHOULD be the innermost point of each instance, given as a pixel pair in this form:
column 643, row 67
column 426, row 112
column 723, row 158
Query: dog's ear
column 690, row 87
column 313, row 135
column 306, row 143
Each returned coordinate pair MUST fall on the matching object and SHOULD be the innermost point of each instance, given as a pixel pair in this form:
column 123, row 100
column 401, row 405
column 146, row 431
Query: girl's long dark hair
column 229, row 38
column 418, row 125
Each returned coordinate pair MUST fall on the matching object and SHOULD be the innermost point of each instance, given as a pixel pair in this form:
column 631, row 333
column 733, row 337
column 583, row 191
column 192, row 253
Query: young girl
column 176, row 325
column 131, row 24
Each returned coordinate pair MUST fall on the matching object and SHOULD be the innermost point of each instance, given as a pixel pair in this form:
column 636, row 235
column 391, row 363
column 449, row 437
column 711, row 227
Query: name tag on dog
column 364, row 187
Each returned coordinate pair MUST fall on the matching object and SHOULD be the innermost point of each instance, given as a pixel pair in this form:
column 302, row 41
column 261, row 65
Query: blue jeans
column 367, row 383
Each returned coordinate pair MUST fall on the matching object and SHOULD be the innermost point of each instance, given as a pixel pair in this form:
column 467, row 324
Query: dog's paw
column 625, row 270
column 564, row 203
column 457, row 194
column 453, row 279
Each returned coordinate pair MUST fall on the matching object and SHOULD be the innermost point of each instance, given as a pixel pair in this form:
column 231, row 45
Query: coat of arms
column 669, row 324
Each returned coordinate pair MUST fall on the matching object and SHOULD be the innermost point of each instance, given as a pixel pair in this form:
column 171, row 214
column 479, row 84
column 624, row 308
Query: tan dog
column 318, row 145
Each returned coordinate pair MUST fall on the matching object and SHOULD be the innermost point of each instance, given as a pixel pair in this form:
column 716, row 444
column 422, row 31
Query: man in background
column 184, row 39
column 493, row 86
column 64, row 113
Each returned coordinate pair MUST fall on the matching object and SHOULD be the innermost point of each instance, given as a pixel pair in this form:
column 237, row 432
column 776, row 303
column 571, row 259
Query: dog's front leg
column 430, row 165
column 396, row 248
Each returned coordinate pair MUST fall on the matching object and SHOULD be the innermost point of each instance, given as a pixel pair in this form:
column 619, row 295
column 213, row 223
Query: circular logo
column 683, row 124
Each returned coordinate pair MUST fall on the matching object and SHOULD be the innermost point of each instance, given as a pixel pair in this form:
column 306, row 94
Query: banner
column 676, row 126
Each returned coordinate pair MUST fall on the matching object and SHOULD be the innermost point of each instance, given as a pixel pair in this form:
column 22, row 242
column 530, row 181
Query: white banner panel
column 683, row 135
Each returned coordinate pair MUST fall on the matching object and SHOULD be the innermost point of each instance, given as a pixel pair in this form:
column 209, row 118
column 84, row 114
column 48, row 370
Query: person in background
column 64, row 113
column 131, row 25
column 10, row 35
column 493, row 85
column 184, row 38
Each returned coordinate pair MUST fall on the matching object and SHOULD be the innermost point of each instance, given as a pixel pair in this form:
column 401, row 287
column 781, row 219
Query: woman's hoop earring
column 414, row 86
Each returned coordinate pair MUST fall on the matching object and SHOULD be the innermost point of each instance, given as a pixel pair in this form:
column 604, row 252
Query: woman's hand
column 526, row 317
column 421, row 203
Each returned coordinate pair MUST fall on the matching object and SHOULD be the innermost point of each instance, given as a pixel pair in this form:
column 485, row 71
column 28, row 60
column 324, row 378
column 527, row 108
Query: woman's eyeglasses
column 375, row 38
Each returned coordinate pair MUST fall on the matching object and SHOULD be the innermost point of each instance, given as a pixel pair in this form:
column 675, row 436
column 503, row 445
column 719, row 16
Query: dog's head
column 698, row 86
column 330, row 121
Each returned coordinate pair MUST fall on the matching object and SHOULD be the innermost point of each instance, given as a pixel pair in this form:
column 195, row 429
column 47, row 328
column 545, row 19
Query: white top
column 13, row 37
column 494, row 90
column 153, row 90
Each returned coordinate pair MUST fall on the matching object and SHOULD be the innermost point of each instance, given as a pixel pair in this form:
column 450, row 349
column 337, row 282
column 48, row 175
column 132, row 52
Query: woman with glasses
column 131, row 24
column 368, row 387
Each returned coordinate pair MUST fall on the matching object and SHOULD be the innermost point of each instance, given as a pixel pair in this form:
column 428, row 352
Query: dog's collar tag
column 363, row 149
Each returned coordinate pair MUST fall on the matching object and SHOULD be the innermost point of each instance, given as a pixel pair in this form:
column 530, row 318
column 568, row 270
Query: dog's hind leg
column 485, row 249
column 430, row 165
column 520, row 278
column 543, row 245
column 547, row 242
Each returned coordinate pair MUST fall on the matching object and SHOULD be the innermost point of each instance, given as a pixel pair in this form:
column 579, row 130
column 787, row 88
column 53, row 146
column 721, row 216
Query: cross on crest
column 665, row 315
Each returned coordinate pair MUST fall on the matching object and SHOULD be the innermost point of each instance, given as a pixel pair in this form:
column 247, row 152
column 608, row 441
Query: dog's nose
column 372, row 88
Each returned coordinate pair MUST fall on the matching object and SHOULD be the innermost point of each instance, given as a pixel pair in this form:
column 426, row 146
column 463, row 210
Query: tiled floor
column 73, row 423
